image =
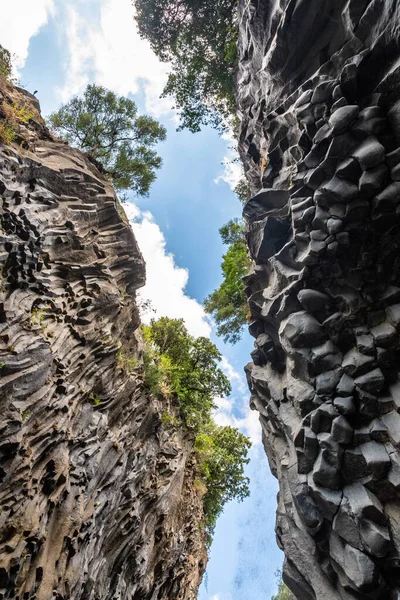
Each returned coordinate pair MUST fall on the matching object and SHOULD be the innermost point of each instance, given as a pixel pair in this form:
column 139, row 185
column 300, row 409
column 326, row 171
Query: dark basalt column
column 319, row 100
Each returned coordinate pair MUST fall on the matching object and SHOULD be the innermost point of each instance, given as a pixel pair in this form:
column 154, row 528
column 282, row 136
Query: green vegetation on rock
column 198, row 38
column 242, row 190
column 283, row 591
column 5, row 63
column 186, row 367
column 180, row 365
column 228, row 304
column 221, row 454
column 109, row 129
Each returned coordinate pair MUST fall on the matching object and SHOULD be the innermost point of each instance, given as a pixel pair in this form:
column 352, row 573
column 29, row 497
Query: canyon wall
column 97, row 497
column 318, row 90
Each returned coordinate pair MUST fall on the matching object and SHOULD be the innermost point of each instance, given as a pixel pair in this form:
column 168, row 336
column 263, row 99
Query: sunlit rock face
column 319, row 98
column 96, row 495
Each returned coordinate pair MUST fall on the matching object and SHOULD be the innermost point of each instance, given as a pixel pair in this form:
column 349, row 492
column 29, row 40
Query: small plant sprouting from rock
column 12, row 115
column 26, row 414
column 169, row 421
column 177, row 364
column 94, row 399
column 38, row 316
column 129, row 363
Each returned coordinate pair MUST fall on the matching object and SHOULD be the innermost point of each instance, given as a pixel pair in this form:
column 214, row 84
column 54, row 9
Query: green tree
column 187, row 367
column 191, row 367
column 242, row 190
column 108, row 127
column 228, row 303
column 222, row 456
column 5, row 63
column 198, row 38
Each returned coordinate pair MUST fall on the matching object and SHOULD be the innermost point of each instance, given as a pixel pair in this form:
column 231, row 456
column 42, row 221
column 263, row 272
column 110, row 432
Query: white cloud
column 228, row 409
column 232, row 171
column 165, row 288
column 113, row 54
column 233, row 375
column 79, row 56
column 165, row 281
column 20, row 21
column 248, row 423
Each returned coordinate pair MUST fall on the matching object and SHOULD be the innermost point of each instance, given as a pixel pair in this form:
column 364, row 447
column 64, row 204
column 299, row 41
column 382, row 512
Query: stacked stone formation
column 320, row 141
column 97, row 499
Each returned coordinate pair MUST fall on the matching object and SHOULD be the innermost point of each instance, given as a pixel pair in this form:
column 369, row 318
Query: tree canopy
column 5, row 63
column 109, row 128
column 222, row 455
column 198, row 38
column 228, row 303
column 187, row 367
column 242, row 190
column 190, row 368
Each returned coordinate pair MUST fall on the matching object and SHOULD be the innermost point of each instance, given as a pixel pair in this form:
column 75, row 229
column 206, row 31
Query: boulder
column 302, row 330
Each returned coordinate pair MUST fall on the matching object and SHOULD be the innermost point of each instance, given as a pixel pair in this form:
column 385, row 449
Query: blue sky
column 60, row 46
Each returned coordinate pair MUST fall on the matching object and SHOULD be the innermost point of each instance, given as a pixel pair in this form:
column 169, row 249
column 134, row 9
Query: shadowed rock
column 97, row 497
column 318, row 89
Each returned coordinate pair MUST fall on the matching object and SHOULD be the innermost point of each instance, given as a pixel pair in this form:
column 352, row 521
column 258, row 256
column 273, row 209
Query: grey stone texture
column 318, row 89
column 97, row 497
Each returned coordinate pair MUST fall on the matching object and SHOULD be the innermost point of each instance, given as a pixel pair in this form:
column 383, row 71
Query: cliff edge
column 319, row 101
column 97, row 498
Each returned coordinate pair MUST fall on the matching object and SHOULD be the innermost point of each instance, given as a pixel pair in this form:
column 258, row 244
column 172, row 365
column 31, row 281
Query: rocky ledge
column 319, row 99
column 97, row 498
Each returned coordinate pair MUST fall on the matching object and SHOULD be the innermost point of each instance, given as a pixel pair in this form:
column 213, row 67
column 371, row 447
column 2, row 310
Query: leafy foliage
column 13, row 115
column 242, row 190
column 283, row 591
column 5, row 63
column 228, row 303
column 187, row 366
column 198, row 37
column 177, row 363
column 222, row 455
column 108, row 127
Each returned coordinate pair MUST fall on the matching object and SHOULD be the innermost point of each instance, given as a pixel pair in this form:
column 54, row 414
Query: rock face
column 319, row 100
column 97, row 497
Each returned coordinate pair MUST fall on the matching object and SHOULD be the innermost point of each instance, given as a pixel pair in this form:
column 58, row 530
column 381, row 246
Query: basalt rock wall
column 319, row 101
column 97, row 498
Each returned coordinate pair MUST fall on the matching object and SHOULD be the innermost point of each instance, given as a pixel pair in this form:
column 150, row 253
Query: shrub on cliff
column 228, row 303
column 221, row 455
column 198, row 38
column 176, row 363
column 186, row 366
column 108, row 127
column 5, row 63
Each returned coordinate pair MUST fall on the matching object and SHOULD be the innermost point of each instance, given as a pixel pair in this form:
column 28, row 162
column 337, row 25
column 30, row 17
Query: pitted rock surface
column 319, row 99
column 97, row 497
